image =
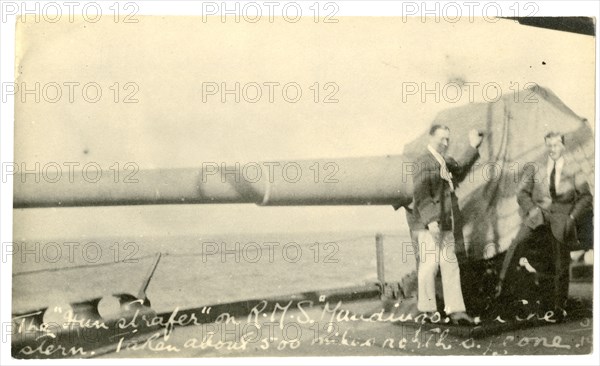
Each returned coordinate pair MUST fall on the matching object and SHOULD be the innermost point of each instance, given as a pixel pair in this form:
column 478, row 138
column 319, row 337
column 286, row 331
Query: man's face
column 555, row 147
column 440, row 140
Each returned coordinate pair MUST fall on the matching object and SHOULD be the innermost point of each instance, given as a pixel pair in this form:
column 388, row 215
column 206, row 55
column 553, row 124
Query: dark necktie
column 552, row 181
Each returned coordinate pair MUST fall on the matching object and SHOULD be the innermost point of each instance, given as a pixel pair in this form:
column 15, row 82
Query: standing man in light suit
column 556, row 197
column 438, row 216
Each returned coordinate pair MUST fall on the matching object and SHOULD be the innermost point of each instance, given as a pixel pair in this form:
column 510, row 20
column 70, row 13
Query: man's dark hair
column 437, row 127
column 553, row 134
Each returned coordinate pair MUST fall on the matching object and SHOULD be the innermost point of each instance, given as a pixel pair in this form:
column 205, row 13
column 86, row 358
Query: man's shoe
column 427, row 316
column 462, row 318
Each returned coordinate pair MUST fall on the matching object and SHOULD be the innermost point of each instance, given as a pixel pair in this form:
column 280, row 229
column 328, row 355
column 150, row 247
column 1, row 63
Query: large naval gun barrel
column 385, row 180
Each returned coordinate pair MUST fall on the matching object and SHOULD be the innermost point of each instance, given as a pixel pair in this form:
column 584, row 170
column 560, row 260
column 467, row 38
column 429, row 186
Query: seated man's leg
column 562, row 259
column 429, row 259
column 453, row 297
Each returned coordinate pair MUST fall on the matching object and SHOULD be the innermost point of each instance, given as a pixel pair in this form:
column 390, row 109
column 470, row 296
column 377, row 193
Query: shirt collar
column 559, row 164
column 436, row 155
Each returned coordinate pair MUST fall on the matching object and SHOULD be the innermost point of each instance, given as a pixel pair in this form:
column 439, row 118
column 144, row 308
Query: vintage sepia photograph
column 215, row 180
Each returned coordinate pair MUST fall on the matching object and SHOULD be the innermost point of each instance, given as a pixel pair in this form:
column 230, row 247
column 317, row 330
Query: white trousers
column 433, row 256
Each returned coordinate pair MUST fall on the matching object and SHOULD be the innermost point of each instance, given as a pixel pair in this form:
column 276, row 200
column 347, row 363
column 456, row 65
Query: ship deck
column 355, row 328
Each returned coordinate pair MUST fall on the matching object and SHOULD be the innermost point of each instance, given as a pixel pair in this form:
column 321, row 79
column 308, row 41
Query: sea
column 197, row 270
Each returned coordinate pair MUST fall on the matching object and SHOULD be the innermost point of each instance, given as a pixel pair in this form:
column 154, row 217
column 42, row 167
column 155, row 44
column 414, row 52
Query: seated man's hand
column 534, row 211
column 570, row 228
column 534, row 218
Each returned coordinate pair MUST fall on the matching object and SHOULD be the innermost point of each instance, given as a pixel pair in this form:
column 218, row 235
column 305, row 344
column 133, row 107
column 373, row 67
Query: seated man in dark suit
column 555, row 197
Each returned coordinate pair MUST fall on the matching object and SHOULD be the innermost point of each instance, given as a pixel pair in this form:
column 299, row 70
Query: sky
column 366, row 62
